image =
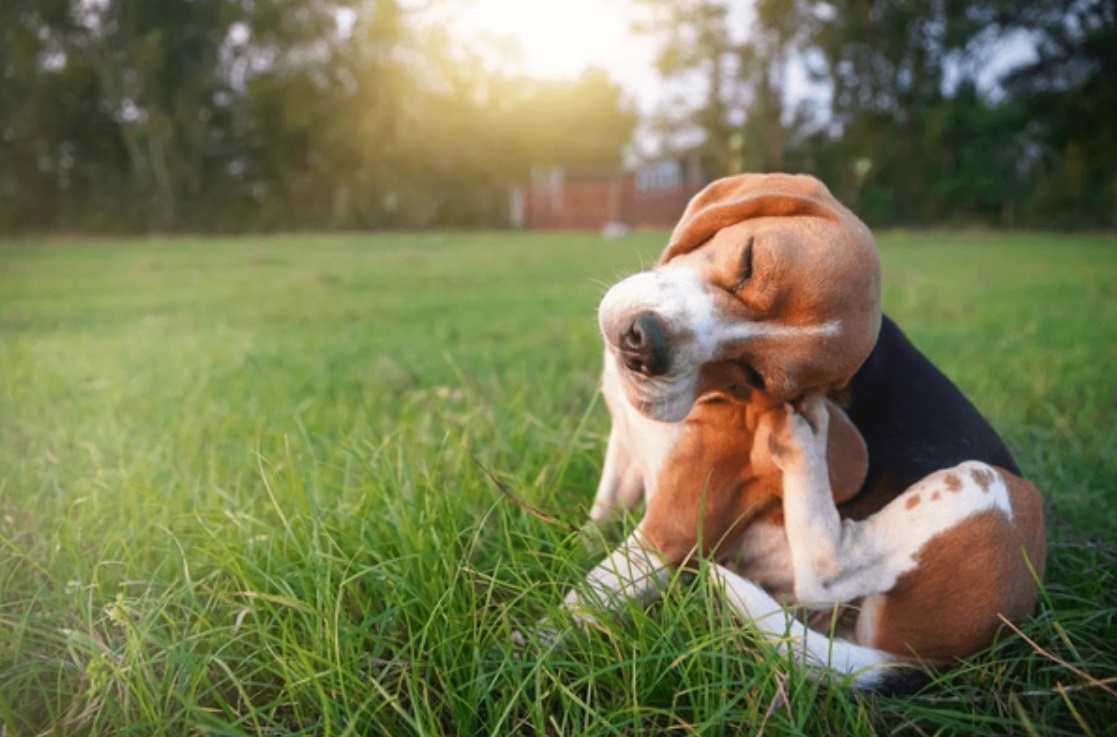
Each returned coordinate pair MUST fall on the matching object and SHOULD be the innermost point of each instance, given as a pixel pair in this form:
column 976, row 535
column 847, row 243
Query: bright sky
column 561, row 38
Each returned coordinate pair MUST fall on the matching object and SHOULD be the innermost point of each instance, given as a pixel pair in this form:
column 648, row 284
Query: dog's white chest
column 649, row 442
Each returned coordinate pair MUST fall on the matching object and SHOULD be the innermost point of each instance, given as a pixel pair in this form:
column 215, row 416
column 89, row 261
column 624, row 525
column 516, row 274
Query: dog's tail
column 835, row 659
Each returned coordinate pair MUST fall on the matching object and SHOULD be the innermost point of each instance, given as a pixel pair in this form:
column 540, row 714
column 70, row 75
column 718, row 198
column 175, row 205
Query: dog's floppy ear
column 847, row 455
column 735, row 199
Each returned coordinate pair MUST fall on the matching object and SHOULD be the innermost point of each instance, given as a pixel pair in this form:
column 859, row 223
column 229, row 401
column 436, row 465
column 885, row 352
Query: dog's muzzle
column 642, row 345
column 646, row 322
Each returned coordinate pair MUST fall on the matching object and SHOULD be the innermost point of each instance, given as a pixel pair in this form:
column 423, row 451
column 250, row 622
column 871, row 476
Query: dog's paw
column 813, row 411
column 798, row 434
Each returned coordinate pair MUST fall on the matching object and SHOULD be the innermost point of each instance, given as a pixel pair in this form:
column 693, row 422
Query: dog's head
column 768, row 284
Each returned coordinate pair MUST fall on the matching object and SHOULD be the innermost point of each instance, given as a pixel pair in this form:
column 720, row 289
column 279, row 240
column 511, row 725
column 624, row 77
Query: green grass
column 236, row 492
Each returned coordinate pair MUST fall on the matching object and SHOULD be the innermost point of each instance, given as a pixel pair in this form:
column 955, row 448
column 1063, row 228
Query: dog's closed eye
column 752, row 376
column 745, row 271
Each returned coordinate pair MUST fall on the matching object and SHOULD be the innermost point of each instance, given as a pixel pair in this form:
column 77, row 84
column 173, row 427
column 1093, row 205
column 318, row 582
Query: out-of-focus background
column 247, row 477
column 258, row 115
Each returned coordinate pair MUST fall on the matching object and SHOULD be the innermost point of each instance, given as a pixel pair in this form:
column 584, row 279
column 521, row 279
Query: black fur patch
column 914, row 420
column 900, row 682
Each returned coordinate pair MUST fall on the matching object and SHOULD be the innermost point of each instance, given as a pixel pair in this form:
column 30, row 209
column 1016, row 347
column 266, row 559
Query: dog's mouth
column 654, row 326
column 658, row 396
column 673, row 407
column 668, row 396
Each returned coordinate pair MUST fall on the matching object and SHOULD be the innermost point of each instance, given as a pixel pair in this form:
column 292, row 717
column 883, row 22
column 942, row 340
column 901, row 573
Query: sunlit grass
column 237, row 493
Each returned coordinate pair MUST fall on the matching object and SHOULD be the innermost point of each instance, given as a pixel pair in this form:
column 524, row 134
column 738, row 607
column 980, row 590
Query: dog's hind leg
column 937, row 570
column 837, row 561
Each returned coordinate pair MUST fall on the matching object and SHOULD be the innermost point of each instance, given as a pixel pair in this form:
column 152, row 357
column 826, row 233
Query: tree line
column 229, row 115
column 908, row 135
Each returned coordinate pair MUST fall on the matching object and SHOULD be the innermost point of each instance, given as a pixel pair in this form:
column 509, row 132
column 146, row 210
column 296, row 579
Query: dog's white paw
column 798, row 434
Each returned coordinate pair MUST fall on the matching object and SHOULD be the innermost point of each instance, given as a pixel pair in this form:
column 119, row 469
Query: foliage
column 224, row 115
column 215, row 115
column 238, row 494
column 913, row 132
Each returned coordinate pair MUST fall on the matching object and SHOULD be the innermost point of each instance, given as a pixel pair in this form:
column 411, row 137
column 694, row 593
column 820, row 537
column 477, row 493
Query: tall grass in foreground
column 238, row 496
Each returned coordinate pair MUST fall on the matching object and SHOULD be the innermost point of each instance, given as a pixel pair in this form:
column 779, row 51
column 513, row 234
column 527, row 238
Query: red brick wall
column 591, row 204
column 659, row 208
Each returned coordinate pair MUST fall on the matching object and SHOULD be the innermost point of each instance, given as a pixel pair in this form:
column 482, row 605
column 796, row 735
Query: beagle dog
column 774, row 422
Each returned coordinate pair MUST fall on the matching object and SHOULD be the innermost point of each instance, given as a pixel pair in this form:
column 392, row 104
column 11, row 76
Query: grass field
column 236, row 492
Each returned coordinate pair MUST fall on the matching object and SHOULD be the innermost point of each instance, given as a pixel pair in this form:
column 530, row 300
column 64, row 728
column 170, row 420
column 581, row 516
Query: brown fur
column 983, row 479
column 720, row 476
column 813, row 262
column 951, row 605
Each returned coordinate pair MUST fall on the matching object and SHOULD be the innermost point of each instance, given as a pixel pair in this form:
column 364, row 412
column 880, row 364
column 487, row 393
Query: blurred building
column 593, row 197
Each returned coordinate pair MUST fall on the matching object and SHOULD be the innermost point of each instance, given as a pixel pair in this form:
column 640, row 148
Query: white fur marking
column 617, row 474
column 751, row 330
column 791, row 637
column 684, row 301
column 761, row 555
column 648, row 443
column 838, row 561
column 632, row 571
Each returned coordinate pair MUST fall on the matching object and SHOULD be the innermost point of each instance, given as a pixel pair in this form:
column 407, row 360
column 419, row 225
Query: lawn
column 238, row 495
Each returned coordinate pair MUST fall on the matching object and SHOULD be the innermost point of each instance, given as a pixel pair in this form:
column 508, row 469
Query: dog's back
column 915, row 421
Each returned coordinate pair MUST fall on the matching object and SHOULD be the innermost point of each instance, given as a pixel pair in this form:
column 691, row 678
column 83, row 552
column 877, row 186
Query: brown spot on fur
column 936, row 496
column 953, row 483
column 983, row 477
column 912, row 502
column 949, row 606
column 824, row 564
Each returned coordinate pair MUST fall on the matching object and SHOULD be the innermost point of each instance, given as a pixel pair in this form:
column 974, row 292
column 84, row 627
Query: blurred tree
column 155, row 64
column 697, row 45
column 238, row 114
column 233, row 114
column 56, row 140
column 909, row 135
column 894, row 67
column 1067, row 99
column 781, row 31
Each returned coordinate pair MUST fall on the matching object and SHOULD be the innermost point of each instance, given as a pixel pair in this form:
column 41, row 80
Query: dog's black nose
column 643, row 345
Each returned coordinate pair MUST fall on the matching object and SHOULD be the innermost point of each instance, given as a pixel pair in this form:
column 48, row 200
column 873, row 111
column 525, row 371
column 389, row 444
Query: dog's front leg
column 621, row 482
column 780, row 627
column 634, row 571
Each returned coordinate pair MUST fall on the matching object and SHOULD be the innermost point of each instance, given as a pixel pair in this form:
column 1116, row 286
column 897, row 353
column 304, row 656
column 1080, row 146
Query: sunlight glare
column 560, row 38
